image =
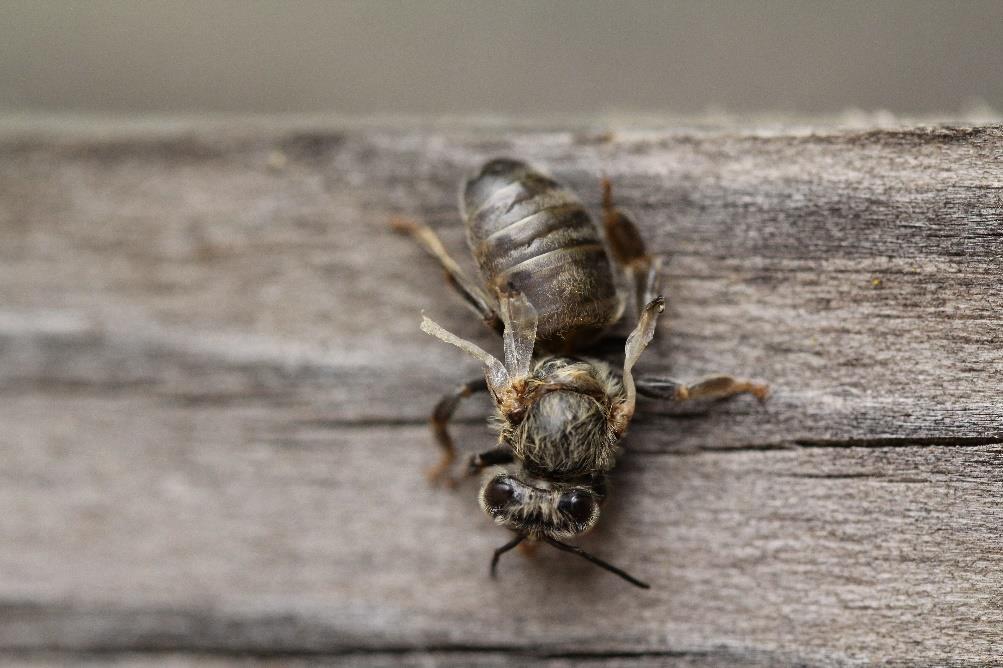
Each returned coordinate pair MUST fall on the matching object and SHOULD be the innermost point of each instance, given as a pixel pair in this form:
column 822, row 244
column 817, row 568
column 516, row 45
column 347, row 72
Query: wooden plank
column 214, row 391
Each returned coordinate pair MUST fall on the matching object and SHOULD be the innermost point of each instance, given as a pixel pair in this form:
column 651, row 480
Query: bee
column 549, row 287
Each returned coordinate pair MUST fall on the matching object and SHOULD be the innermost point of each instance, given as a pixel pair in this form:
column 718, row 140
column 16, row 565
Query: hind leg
column 468, row 290
column 629, row 251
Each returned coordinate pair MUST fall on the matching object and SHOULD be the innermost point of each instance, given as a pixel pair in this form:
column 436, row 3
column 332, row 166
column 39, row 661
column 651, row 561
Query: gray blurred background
column 908, row 57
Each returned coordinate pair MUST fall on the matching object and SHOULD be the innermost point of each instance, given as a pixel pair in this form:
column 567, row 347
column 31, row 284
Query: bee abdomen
column 526, row 230
column 564, row 226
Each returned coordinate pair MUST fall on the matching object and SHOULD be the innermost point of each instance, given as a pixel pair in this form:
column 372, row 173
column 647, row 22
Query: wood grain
column 214, row 393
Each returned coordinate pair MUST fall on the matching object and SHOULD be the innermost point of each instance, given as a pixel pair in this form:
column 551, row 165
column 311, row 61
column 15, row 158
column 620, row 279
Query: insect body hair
column 566, row 431
column 565, row 434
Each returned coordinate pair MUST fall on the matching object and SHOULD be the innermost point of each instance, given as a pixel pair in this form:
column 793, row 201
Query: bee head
column 541, row 508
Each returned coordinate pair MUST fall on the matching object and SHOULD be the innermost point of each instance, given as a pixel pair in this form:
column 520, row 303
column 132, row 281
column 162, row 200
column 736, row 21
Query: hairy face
column 540, row 508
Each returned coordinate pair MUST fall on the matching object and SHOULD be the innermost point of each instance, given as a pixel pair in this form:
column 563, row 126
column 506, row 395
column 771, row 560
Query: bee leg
column 712, row 387
column 468, row 290
column 722, row 387
column 636, row 343
column 443, row 411
column 629, row 251
column 501, row 454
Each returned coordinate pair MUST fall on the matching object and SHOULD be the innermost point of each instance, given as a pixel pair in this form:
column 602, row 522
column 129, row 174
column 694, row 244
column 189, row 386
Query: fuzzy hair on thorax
column 566, row 432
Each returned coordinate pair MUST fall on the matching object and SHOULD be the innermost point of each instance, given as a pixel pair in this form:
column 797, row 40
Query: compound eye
column 498, row 493
column 577, row 505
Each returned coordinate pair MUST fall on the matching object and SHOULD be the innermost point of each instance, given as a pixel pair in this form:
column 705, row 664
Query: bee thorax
column 565, row 434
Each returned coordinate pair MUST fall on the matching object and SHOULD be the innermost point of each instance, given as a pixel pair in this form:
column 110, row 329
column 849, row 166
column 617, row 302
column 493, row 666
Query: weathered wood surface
column 214, row 390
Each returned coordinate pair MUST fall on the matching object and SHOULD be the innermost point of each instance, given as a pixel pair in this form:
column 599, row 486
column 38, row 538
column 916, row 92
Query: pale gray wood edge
column 206, row 340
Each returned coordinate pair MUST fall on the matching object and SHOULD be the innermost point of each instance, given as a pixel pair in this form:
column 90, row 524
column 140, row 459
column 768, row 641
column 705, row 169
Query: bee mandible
column 548, row 287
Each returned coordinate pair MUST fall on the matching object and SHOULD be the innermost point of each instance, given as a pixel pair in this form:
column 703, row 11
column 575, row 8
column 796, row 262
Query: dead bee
column 549, row 289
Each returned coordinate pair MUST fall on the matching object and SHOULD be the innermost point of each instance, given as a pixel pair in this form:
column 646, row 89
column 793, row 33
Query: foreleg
column 501, row 454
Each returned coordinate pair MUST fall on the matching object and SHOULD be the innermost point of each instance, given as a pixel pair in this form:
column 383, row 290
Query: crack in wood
column 194, row 632
column 901, row 442
column 391, row 650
